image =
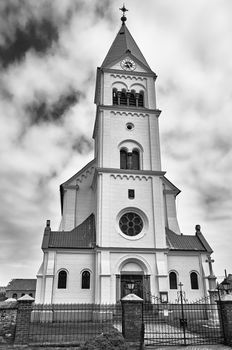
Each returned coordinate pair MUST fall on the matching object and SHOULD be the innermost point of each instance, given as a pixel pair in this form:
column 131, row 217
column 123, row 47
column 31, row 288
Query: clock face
column 128, row 64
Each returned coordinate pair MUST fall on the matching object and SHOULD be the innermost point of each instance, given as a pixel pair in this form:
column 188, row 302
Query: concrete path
column 190, row 347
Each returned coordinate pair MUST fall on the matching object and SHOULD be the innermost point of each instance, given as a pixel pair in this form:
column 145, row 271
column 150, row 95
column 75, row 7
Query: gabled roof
column 122, row 44
column 172, row 187
column 187, row 242
column 67, row 182
column 82, row 236
column 21, row 284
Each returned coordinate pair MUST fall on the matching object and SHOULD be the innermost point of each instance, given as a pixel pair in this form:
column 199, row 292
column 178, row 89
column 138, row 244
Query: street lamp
column 130, row 286
column 226, row 285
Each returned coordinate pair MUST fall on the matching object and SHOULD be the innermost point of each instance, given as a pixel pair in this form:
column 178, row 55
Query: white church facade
column 119, row 223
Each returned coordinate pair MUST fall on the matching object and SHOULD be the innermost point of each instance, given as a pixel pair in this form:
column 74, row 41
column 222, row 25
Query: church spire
column 124, row 44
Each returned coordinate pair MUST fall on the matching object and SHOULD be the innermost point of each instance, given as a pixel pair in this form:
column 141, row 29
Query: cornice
column 133, row 73
column 135, row 174
column 70, row 187
column 130, row 172
column 131, row 249
column 170, row 191
column 128, row 109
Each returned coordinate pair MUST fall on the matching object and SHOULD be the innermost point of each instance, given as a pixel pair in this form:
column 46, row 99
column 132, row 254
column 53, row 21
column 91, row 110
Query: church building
column 119, row 231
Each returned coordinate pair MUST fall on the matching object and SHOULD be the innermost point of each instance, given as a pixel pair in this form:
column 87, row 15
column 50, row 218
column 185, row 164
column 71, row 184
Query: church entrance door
column 137, row 280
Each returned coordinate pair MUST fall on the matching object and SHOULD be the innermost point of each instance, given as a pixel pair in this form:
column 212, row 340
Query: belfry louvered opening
column 129, row 160
column 128, row 98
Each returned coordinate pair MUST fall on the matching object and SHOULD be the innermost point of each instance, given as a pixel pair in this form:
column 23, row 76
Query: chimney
column 46, row 236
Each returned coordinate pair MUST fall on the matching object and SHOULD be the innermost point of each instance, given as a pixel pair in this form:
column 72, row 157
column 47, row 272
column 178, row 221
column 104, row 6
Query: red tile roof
column 82, row 236
column 187, row 242
column 21, row 284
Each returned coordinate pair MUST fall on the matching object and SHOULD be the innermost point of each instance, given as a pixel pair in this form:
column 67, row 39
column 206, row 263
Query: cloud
column 40, row 111
column 49, row 51
column 38, row 36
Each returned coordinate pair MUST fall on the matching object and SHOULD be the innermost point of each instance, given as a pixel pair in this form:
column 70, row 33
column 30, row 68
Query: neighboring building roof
column 82, row 236
column 122, row 44
column 21, row 284
column 187, row 242
column 227, row 279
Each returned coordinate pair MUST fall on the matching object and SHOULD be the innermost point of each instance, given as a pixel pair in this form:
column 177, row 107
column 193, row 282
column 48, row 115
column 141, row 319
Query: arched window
column 14, row 296
column 141, row 99
column 123, row 97
column 194, row 280
column 135, row 159
column 129, row 160
column 132, row 99
column 172, row 280
column 115, row 97
column 62, row 280
column 22, row 295
column 123, row 159
column 85, row 281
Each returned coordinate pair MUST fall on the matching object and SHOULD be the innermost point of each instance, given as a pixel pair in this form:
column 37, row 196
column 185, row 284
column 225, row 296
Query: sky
column 49, row 52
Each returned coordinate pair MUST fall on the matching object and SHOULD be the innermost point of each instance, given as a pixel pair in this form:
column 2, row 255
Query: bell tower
column 129, row 180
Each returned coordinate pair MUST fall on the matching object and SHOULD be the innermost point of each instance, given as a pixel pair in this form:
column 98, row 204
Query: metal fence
column 72, row 323
column 182, row 324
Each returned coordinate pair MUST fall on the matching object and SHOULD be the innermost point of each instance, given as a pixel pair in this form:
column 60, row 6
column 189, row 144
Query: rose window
column 131, row 224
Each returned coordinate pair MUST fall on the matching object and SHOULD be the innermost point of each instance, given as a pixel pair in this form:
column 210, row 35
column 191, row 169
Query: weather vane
column 123, row 18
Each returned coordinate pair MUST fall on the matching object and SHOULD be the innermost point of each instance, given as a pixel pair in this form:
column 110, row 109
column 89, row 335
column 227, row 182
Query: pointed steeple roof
column 124, row 43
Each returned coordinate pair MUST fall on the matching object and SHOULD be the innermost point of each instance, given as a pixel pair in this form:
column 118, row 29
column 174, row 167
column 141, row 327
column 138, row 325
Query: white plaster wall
column 185, row 264
column 68, row 218
column 114, row 198
column 171, row 213
column 74, row 262
column 79, row 202
column 145, row 133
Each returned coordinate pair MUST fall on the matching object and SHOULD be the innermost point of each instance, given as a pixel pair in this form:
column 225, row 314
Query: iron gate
column 181, row 323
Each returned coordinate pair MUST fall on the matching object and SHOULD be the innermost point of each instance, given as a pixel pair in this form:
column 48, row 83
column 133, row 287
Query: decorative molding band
column 171, row 191
column 71, row 187
column 114, row 171
column 132, row 250
column 132, row 114
column 117, row 71
column 84, row 176
column 129, row 109
column 130, row 177
column 131, row 77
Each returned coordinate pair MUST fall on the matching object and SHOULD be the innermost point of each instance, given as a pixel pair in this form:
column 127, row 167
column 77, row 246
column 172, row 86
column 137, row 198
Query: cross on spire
column 123, row 18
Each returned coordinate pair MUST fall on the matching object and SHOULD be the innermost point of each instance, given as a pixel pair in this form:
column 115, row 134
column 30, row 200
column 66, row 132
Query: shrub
column 112, row 340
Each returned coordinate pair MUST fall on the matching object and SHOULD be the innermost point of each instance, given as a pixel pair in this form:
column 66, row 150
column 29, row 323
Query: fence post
column 225, row 316
column 23, row 319
column 132, row 321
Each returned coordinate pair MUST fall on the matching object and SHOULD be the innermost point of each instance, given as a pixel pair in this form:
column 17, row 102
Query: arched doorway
column 133, row 273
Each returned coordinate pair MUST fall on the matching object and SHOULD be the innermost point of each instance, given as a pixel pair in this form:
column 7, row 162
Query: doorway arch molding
column 136, row 259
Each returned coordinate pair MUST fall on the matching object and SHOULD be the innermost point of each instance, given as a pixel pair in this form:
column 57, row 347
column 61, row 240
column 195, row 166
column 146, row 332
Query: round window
column 129, row 126
column 131, row 224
